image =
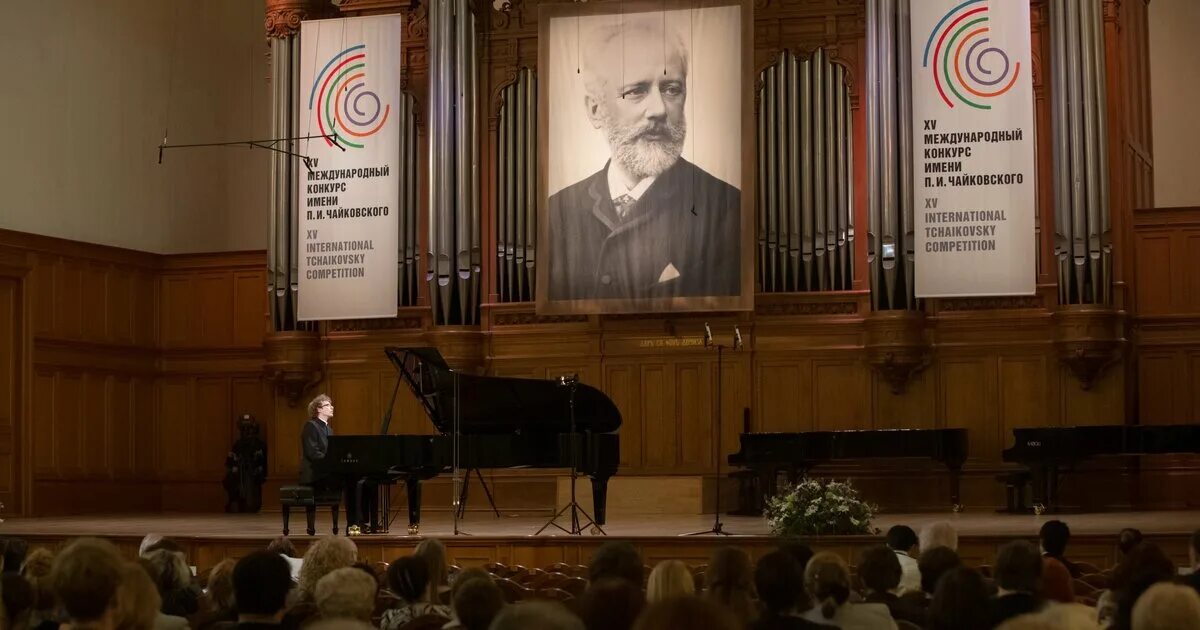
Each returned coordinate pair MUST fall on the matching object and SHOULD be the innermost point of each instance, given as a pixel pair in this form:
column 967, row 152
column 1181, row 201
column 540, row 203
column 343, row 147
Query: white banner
column 973, row 148
column 349, row 194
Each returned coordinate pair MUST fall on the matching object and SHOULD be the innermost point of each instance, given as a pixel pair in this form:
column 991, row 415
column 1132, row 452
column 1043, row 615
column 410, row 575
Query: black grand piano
column 768, row 454
column 502, row 423
column 1046, row 451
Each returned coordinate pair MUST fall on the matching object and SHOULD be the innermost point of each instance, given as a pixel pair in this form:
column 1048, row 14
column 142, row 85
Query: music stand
column 571, row 382
column 718, row 527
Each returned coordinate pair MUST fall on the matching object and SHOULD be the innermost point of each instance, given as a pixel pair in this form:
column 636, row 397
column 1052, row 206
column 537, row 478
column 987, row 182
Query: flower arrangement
column 815, row 507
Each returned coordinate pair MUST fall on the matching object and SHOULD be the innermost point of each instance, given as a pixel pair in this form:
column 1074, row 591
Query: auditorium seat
column 305, row 497
column 425, row 622
column 554, row 594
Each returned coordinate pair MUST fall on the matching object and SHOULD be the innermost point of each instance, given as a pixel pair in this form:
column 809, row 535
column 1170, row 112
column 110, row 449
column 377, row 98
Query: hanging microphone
column 707, row 335
column 737, row 338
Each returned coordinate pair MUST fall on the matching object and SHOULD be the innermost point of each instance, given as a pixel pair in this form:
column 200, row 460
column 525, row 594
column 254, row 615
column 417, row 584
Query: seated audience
column 1145, row 566
column 261, row 582
column 408, row 580
column 779, row 580
column 148, row 541
column 346, row 593
column 476, row 604
column 1057, row 617
column 903, row 541
column 798, row 550
column 670, row 578
column 933, row 565
column 1056, row 584
column 17, row 596
column 1167, row 606
column 827, row 580
column 137, row 604
column 687, row 613
column 85, row 576
column 879, row 570
column 14, row 555
column 1127, row 539
column 218, row 606
column 729, row 581
column 326, row 554
column 1018, row 572
column 1193, row 580
column 536, row 616
column 460, row 578
column 43, row 614
column 960, row 602
column 433, row 552
column 611, row 604
column 1054, row 536
column 616, row 558
column 939, row 534
column 170, row 572
column 283, row 546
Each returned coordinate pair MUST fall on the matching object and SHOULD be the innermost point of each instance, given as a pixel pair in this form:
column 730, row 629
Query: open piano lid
column 499, row 404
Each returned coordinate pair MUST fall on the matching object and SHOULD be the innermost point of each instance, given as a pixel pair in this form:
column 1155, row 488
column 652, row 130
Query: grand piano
column 502, row 422
column 768, row 454
column 1046, row 451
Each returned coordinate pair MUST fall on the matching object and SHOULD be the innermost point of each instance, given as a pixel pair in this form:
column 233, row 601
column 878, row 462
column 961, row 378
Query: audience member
column 687, row 613
column 138, row 603
column 1057, row 617
column 170, row 572
column 879, row 570
column 932, row 566
column 14, row 555
column 1145, row 566
column 147, row 541
column 326, row 554
column 218, row 605
column 729, row 581
column 346, row 593
column 779, row 580
column 1056, row 583
column 1193, row 580
column 261, row 582
column 1127, row 539
column 612, row 603
column 17, row 596
column 903, row 541
column 1018, row 572
column 939, row 534
column 960, row 602
column 670, row 578
column 460, row 578
column 1167, row 607
column 433, row 552
column 1054, row 536
column 86, row 575
column 536, row 616
column 476, row 604
column 283, row 546
column 36, row 571
column 827, row 579
column 408, row 580
column 798, row 550
column 616, row 558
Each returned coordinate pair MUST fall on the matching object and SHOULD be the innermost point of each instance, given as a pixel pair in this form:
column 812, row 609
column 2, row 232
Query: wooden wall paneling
column 784, row 395
column 122, row 423
column 1154, row 277
column 68, row 313
column 213, row 426
column 14, row 373
column 249, row 309
column 657, row 414
column 968, row 401
column 94, row 302
column 1103, row 403
column 735, row 398
column 178, row 311
column 622, row 384
column 1023, row 395
column 45, row 458
column 96, row 425
column 840, row 397
column 214, row 302
column 68, row 424
column 120, row 305
column 146, row 309
column 356, row 403
column 910, row 409
column 694, row 397
column 408, row 416
column 1157, row 388
column 146, row 427
column 43, row 284
column 175, row 418
column 1190, row 412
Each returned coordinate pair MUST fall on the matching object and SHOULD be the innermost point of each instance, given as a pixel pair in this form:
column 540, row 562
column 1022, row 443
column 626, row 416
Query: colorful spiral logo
column 346, row 108
column 964, row 28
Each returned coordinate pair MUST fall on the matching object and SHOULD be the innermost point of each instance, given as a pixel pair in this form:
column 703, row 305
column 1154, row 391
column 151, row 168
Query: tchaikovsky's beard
column 646, row 148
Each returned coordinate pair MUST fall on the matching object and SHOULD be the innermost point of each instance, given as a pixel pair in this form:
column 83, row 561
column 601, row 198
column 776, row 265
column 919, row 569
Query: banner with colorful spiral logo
column 348, row 189
column 974, row 165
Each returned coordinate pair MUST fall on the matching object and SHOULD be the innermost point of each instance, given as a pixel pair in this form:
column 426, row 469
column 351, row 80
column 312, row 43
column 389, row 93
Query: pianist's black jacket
column 314, row 440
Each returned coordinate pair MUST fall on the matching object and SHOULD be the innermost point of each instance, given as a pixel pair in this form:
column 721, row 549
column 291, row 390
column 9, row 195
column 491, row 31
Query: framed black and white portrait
column 645, row 179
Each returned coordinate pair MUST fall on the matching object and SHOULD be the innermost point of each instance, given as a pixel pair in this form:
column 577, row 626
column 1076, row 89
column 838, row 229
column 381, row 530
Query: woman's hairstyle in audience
column 1127, row 539
column 282, row 545
column 346, row 593
column 686, row 613
column 36, row 571
column 1057, row 617
column 137, row 600
column 220, row 584
column 1145, row 566
column 1056, row 583
column 960, row 602
column 879, row 569
column 408, row 578
column 476, row 603
column 827, row 579
column 261, row 582
column 1018, row 567
column 468, row 573
column 169, row 570
column 17, row 596
column 935, row 563
column 670, row 578
column 536, row 616
column 798, row 550
column 164, row 543
column 1054, row 536
column 902, row 538
column 433, row 552
column 326, row 554
column 85, row 576
column 1166, row 606
column 147, row 541
column 938, row 534
column 779, row 579
column 619, row 559
column 611, row 603
column 729, row 581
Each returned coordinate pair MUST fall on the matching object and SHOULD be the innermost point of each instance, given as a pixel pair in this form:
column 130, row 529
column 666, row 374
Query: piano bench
column 1014, row 490
column 310, row 499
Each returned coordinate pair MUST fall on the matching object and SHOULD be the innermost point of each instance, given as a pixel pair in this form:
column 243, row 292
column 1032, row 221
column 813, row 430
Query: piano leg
column 414, row 504
column 600, row 498
column 1039, row 485
column 955, row 483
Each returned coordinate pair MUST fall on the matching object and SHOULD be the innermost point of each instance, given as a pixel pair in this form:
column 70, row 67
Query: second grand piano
column 502, row 422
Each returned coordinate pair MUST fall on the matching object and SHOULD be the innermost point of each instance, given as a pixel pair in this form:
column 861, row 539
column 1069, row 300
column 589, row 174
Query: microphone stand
column 576, row 525
column 718, row 527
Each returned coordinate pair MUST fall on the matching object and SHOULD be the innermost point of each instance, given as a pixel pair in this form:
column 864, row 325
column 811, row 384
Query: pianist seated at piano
column 314, row 442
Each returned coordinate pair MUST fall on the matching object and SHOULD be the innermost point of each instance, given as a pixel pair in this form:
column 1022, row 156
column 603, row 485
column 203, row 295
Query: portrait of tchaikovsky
column 649, row 223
